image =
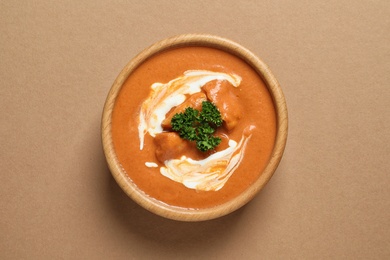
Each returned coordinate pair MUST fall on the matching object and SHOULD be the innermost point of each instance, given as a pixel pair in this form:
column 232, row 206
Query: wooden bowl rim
column 178, row 213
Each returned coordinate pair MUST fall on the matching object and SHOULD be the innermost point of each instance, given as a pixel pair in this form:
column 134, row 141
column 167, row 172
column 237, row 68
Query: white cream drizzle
column 151, row 164
column 210, row 173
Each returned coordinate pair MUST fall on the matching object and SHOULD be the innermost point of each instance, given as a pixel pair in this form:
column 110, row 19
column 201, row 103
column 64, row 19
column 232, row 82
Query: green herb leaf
column 208, row 143
column 199, row 126
column 210, row 114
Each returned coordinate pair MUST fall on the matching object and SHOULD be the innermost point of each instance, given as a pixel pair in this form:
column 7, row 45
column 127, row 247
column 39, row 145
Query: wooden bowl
column 174, row 212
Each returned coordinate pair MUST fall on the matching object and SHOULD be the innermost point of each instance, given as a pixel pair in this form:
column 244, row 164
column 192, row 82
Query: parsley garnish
column 198, row 126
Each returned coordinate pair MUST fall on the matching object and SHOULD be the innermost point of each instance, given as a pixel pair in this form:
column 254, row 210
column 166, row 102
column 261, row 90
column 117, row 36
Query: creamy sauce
column 210, row 173
column 138, row 157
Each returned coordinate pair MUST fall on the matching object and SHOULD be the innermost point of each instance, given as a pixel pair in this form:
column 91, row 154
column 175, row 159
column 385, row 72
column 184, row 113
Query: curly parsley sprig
column 198, row 126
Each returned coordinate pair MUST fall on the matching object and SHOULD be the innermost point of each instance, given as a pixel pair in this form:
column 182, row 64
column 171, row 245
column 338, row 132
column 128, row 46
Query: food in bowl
column 191, row 128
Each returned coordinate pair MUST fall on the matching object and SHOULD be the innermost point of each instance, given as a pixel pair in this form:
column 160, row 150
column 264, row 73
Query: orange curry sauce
column 258, row 111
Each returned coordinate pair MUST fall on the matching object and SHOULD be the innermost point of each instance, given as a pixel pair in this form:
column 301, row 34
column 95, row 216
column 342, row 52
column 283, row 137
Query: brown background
column 329, row 198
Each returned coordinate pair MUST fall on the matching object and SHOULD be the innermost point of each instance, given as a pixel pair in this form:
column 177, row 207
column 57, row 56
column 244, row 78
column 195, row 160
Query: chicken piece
column 169, row 145
column 220, row 92
column 194, row 101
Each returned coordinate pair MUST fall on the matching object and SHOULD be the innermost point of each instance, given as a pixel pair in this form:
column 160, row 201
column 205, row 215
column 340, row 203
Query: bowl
column 130, row 187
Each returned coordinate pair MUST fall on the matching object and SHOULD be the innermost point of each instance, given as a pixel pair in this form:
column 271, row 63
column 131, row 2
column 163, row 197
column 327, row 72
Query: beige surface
column 330, row 197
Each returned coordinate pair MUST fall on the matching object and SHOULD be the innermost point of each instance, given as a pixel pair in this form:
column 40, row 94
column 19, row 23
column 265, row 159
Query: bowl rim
column 174, row 212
